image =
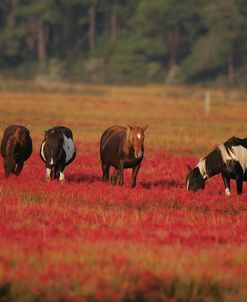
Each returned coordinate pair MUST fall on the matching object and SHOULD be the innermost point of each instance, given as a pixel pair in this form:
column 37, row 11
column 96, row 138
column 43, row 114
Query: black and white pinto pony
column 229, row 159
column 16, row 148
column 57, row 151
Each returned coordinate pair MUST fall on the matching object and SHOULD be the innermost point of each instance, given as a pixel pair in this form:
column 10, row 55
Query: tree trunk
column 114, row 23
column 92, row 27
column 173, row 59
column 173, row 40
column 230, row 72
column 42, row 55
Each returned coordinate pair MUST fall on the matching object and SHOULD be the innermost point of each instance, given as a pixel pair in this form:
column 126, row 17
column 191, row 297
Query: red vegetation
column 84, row 238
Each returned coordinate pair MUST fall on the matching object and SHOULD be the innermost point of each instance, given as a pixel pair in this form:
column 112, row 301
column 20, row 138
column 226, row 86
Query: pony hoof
column 113, row 182
column 227, row 191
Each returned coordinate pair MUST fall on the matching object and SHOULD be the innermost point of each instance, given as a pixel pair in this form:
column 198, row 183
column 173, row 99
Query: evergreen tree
column 218, row 49
column 127, row 40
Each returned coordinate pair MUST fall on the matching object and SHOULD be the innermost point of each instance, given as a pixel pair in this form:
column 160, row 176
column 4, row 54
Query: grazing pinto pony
column 122, row 148
column 229, row 159
column 16, row 147
column 57, row 151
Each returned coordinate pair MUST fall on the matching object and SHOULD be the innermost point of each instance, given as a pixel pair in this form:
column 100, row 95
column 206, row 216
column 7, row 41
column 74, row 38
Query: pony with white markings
column 57, row 151
column 228, row 159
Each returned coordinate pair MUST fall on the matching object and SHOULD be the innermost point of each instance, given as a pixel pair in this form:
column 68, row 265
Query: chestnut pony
column 122, row 148
column 16, row 147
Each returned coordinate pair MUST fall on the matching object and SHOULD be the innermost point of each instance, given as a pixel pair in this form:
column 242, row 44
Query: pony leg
column 60, row 174
column 226, row 180
column 106, row 172
column 19, row 168
column 48, row 174
column 54, row 174
column 121, row 174
column 239, row 182
column 134, row 175
column 239, row 178
column 114, row 177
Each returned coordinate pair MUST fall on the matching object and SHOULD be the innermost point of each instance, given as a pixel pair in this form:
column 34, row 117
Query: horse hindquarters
column 14, row 164
column 8, row 147
column 9, row 165
column 24, row 153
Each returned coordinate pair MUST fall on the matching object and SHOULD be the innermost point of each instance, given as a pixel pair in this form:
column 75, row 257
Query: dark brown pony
column 122, row 148
column 16, row 147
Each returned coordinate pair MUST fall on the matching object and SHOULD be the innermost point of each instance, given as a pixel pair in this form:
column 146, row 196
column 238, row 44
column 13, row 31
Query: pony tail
column 9, row 161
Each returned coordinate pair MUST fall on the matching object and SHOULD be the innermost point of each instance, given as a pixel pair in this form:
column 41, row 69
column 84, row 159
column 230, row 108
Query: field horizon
column 84, row 240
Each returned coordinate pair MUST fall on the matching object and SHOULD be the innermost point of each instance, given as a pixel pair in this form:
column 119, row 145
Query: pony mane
column 21, row 135
column 128, row 136
column 19, row 138
column 127, row 140
column 234, row 141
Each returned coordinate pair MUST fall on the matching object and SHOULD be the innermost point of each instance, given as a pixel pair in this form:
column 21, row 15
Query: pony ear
column 130, row 127
column 46, row 134
column 145, row 128
column 189, row 167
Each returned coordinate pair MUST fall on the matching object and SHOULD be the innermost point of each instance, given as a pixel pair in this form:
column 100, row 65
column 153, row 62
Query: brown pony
column 16, row 147
column 122, row 148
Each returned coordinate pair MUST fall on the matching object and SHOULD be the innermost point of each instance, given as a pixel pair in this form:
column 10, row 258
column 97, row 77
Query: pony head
column 136, row 136
column 194, row 180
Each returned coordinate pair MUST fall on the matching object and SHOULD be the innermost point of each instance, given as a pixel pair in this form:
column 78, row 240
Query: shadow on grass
column 81, row 177
column 5, row 291
column 162, row 183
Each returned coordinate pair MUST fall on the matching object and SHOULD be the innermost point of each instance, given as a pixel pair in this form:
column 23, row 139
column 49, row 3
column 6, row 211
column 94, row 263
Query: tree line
column 125, row 41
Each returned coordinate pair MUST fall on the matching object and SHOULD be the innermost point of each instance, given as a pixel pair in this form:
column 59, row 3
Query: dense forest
column 125, row 41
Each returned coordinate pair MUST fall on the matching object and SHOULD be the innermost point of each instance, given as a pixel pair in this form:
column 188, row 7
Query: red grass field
column 84, row 240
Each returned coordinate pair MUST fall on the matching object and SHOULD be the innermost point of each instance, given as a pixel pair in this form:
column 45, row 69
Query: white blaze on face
column 52, row 161
column 139, row 135
column 202, row 168
column 68, row 147
column 238, row 153
column 42, row 151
